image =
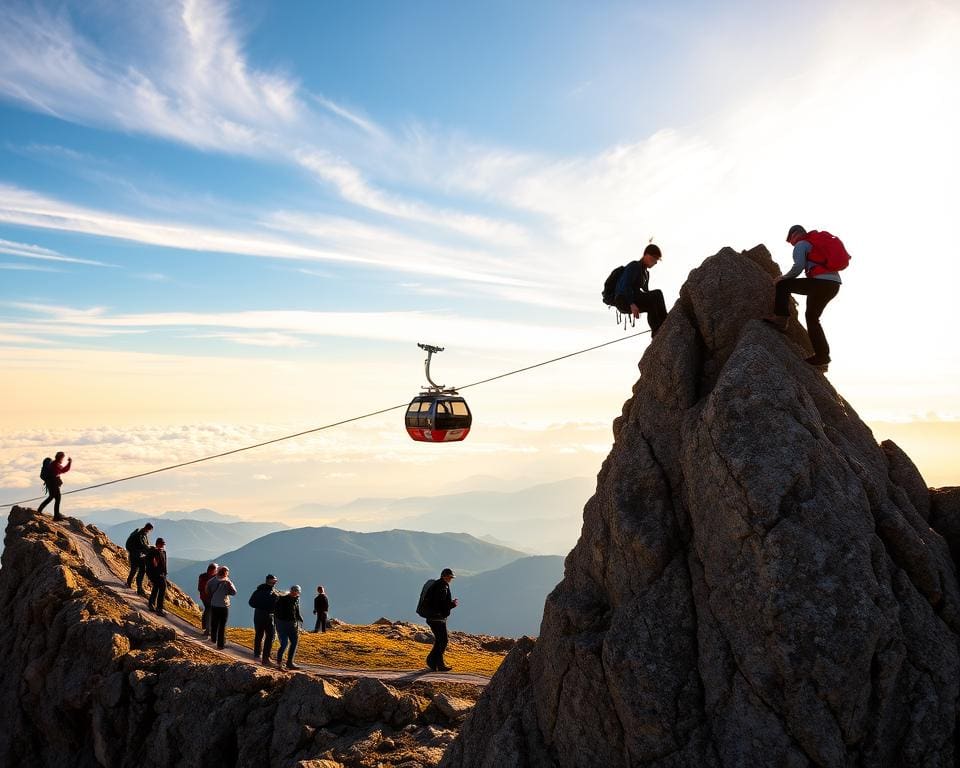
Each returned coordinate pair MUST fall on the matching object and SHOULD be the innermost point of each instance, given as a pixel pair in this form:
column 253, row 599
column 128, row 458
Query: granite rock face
column 756, row 582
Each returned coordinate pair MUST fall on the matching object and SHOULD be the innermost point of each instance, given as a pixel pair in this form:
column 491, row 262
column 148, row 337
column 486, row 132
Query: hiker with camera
column 50, row 474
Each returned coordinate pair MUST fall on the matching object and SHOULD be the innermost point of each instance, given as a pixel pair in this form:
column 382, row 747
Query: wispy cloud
column 29, row 251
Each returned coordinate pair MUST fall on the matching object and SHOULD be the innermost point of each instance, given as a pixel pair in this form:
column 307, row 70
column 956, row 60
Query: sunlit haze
column 221, row 223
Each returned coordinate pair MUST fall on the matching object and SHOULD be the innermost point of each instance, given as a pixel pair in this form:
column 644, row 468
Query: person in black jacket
column 439, row 603
column 157, row 573
column 288, row 625
column 633, row 294
column 321, row 606
column 264, row 603
column 138, row 545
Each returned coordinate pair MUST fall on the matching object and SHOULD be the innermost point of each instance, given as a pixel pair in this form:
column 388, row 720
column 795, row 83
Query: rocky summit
column 758, row 582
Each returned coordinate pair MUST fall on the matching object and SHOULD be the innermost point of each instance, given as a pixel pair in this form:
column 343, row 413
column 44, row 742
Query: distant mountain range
column 194, row 539
column 369, row 575
column 545, row 519
column 107, row 517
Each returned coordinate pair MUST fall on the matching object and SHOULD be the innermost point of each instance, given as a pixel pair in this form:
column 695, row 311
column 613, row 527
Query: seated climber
column 633, row 294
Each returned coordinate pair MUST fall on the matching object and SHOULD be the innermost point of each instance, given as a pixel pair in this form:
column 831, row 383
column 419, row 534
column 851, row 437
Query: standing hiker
column 633, row 295
column 157, row 573
column 820, row 256
column 436, row 604
column 219, row 589
column 264, row 603
column 321, row 607
column 288, row 625
column 202, row 580
column 50, row 474
column 138, row 544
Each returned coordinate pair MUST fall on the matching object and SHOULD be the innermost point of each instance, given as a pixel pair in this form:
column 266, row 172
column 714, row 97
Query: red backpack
column 827, row 252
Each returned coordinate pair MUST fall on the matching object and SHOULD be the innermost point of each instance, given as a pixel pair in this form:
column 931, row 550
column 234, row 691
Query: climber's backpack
column 46, row 471
column 133, row 541
column 610, row 286
column 422, row 607
column 827, row 252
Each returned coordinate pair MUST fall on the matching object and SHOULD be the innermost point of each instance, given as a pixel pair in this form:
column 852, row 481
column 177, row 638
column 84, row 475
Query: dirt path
column 189, row 633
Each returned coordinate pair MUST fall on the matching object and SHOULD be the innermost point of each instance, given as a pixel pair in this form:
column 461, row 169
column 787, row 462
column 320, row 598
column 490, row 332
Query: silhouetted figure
column 138, row 545
column 202, row 580
column 157, row 573
column 288, row 625
column 264, row 603
column 51, row 479
column 321, row 607
column 220, row 589
column 811, row 253
column 633, row 294
column 437, row 604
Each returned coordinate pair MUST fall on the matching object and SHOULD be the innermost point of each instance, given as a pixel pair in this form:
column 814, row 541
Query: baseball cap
column 271, row 578
column 447, row 572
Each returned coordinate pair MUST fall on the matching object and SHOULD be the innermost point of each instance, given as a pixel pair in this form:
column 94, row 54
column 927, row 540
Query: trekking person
column 219, row 590
column 264, row 603
column 157, row 573
column 811, row 253
column 202, row 580
column 51, row 479
column 288, row 625
column 138, row 544
column 437, row 606
column 321, row 606
column 633, row 294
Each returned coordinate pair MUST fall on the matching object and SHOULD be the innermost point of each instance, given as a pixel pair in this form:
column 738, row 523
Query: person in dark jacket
column 264, row 603
column 321, row 607
column 138, row 545
column 202, row 580
column 439, row 602
column 288, row 625
column 633, row 294
column 157, row 573
column 53, row 483
column 219, row 590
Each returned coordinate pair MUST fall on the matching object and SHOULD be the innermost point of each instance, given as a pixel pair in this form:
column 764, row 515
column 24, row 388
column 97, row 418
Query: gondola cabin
column 437, row 418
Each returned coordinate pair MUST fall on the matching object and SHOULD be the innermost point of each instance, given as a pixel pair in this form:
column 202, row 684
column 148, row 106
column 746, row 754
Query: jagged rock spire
column 756, row 582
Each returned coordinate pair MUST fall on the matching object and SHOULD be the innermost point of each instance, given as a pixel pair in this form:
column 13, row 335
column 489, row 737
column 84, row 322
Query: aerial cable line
column 325, row 426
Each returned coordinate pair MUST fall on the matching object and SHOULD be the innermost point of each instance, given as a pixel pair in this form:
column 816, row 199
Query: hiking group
column 820, row 255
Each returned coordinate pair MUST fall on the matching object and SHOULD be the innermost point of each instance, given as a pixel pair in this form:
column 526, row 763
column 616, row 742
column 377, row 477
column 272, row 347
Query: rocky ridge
column 90, row 681
column 757, row 581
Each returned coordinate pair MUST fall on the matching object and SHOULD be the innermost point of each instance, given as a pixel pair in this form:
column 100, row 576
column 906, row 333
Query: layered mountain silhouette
column 195, row 539
column 372, row 575
column 758, row 582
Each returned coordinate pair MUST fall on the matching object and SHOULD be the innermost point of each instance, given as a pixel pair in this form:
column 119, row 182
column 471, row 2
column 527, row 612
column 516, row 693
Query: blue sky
column 220, row 221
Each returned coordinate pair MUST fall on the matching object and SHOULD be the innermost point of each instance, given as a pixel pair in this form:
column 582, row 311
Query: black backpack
column 133, row 541
column 45, row 471
column 422, row 607
column 610, row 286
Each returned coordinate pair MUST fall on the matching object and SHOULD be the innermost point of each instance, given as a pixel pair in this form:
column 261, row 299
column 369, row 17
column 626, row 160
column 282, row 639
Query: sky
column 224, row 222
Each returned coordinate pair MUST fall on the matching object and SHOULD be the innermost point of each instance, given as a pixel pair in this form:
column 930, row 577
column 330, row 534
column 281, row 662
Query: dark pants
column 818, row 293
column 158, row 593
column 650, row 302
column 440, row 642
column 263, row 632
column 218, row 624
column 321, row 622
column 287, row 631
column 138, row 566
column 53, row 494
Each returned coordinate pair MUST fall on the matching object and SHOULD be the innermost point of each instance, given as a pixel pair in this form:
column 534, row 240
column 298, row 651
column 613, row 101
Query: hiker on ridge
column 321, row 607
column 264, row 603
column 437, row 604
column 157, row 573
column 202, row 580
column 219, row 590
column 288, row 625
column 51, row 479
column 813, row 253
column 633, row 294
column 138, row 545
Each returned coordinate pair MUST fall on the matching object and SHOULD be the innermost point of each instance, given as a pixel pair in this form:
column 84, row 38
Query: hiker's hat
column 447, row 572
column 295, row 588
column 271, row 578
column 160, row 541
